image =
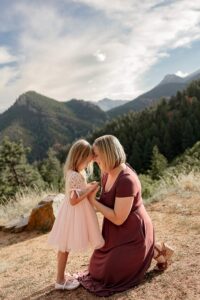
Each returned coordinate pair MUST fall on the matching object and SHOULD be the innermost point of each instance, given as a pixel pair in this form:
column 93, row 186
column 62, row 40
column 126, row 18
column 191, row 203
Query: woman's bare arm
column 121, row 210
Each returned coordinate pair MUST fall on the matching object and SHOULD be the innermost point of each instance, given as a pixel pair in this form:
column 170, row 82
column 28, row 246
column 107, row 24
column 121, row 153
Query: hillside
column 107, row 104
column 173, row 126
column 168, row 87
column 28, row 266
column 42, row 122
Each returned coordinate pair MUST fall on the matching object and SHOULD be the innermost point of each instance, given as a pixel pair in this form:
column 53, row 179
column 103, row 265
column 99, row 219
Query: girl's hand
column 92, row 183
column 92, row 194
column 84, row 193
column 92, row 186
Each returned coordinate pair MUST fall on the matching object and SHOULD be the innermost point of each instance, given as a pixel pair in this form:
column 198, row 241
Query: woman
column 127, row 228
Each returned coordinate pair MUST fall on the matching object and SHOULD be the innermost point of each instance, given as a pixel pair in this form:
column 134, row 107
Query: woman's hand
column 92, row 194
column 92, row 184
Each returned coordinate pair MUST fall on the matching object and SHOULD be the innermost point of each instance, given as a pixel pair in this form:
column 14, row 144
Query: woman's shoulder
column 125, row 177
column 128, row 175
column 128, row 183
column 128, row 171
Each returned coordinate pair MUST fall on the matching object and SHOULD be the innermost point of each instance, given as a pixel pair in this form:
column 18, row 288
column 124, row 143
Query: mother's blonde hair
column 111, row 151
column 78, row 153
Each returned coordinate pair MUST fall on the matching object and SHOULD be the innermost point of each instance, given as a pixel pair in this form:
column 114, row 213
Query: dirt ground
column 28, row 265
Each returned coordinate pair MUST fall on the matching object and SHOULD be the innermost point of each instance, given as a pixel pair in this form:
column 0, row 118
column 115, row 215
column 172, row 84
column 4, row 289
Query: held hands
column 92, row 186
column 92, row 183
column 93, row 192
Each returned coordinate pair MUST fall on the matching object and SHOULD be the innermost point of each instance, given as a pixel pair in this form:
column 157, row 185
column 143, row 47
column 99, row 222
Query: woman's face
column 97, row 157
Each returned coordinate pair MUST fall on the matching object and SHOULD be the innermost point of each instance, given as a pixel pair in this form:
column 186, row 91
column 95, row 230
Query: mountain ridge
column 42, row 122
column 167, row 87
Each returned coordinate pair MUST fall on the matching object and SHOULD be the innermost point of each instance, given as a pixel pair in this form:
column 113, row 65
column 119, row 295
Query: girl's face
column 97, row 157
column 85, row 163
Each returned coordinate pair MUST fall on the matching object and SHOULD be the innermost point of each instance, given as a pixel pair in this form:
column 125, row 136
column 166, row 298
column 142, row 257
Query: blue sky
column 92, row 49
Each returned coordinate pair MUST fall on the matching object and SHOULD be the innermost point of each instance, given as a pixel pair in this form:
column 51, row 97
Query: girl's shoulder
column 73, row 174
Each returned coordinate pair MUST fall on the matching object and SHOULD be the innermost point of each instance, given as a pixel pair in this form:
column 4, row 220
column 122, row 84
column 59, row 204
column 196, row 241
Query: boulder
column 21, row 225
column 8, row 227
column 41, row 217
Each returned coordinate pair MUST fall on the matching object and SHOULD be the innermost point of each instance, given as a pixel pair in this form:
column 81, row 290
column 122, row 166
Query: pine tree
column 187, row 135
column 135, row 158
column 51, row 171
column 158, row 163
column 15, row 172
column 147, row 152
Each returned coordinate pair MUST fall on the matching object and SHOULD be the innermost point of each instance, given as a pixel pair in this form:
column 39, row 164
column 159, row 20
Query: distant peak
column 171, row 78
column 31, row 97
column 22, row 99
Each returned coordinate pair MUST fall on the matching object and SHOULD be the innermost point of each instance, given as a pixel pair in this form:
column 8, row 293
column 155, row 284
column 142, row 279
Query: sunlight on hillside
column 181, row 184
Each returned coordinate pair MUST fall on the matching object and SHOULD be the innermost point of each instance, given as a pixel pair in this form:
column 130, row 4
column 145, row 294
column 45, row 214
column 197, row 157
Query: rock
column 42, row 216
column 22, row 224
column 11, row 225
column 47, row 199
column 2, row 227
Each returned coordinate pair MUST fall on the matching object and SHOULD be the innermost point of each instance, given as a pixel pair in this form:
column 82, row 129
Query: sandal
column 163, row 256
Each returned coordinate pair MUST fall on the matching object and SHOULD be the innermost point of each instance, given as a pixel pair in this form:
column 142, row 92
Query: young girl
column 76, row 226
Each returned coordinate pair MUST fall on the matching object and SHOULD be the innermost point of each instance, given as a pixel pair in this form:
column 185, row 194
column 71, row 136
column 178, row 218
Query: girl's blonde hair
column 111, row 151
column 78, row 153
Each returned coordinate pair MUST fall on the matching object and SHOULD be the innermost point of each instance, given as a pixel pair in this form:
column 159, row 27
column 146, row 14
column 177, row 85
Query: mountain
column 107, row 104
column 192, row 76
column 171, row 78
column 173, row 126
column 165, row 89
column 42, row 122
column 87, row 111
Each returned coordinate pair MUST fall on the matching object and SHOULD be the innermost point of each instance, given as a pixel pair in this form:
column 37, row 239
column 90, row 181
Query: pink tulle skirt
column 76, row 228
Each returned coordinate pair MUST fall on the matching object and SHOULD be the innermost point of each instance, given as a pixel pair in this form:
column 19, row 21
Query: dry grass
column 24, row 203
column 182, row 184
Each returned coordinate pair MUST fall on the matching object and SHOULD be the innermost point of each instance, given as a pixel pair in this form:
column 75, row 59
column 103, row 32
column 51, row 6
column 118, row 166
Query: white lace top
column 75, row 183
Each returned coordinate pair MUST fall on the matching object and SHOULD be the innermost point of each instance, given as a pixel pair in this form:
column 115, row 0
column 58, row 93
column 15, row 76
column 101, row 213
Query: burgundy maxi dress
column 124, row 259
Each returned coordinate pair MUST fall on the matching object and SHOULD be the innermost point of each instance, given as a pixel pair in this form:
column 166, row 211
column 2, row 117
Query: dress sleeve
column 74, row 183
column 125, row 187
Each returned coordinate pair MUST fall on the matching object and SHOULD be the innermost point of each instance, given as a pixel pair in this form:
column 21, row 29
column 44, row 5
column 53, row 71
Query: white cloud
column 63, row 55
column 100, row 56
column 7, row 75
column 181, row 74
column 163, row 54
column 5, row 56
